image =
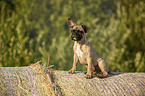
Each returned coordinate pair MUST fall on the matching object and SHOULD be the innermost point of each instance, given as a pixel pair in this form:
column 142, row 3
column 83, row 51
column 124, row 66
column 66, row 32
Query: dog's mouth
column 74, row 38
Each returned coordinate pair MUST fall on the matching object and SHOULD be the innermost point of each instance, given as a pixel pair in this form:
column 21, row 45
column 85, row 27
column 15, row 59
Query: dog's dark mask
column 77, row 35
column 77, row 31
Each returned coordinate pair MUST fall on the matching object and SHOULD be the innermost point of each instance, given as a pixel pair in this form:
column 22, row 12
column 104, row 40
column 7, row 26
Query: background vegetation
column 33, row 30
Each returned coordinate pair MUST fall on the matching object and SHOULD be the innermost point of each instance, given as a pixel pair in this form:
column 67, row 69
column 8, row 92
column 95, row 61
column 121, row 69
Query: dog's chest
column 81, row 52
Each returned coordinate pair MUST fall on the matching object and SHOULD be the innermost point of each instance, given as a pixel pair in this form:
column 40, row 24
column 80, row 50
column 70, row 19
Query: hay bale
column 35, row 80
column 127, row 84
column 25, row 81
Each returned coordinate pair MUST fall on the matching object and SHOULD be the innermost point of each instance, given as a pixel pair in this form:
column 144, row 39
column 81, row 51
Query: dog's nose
column 73, row 36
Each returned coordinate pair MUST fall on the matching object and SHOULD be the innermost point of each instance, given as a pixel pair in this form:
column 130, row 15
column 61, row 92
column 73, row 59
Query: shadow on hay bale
column 38, row 81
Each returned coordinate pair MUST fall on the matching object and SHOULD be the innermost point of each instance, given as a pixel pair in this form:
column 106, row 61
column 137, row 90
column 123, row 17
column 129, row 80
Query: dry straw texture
column 127, row 84
column 25, row 81
column 36, row 80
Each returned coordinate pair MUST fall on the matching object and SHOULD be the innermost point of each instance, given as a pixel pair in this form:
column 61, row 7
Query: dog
column 84, row 53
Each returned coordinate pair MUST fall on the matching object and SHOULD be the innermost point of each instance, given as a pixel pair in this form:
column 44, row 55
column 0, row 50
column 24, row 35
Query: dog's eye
column 72, row 31
column 81, row 31
column 78, row 30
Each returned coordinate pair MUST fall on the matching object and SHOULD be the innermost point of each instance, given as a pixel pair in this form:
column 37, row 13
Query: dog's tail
column 114, row 73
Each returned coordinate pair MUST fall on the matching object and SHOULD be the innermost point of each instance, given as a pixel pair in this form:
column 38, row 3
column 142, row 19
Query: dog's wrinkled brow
column 76, row 30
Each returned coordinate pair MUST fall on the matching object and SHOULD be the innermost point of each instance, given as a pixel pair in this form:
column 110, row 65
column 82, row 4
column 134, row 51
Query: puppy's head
column 77, row 31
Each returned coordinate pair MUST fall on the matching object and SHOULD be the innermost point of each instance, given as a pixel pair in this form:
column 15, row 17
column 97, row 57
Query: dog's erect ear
column 86, row 28
column 71, row 23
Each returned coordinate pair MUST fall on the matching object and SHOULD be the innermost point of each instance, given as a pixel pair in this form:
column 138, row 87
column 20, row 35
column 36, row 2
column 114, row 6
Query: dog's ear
column 71, row 23
column 86, row 28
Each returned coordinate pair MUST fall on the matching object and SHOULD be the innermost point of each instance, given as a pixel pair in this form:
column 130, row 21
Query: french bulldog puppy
column 86, row 54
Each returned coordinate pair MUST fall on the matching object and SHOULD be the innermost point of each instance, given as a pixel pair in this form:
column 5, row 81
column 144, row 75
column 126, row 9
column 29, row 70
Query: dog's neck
column 83, row 40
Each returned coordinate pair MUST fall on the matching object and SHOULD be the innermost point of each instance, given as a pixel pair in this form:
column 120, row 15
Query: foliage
column 132, row 22
column 13, row 35
column 35, row 30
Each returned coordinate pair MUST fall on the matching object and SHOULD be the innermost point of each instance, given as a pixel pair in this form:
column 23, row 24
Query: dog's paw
column 88, row 76
column 71, row 71
column 85, row 72
column 99, row 75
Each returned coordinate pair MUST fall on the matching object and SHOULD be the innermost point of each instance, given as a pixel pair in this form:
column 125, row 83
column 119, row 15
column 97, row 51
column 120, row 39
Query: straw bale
column 36, row 80
column 124, row 84
column 25, row 81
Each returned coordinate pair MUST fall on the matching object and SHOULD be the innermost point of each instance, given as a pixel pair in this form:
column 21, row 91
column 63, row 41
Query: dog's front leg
column 89, row 61
column 75, row 61
column 89, row 69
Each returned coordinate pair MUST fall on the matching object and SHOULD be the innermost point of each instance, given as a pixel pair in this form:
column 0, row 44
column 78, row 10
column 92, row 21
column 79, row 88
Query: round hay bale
column 124, row 84
column 36, row 80
column 25, row 81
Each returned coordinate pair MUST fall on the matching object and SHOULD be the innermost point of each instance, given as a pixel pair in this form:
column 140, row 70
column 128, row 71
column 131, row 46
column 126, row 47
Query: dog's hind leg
column 104, row 68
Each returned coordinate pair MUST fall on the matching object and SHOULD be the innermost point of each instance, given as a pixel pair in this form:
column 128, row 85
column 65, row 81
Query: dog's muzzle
column 76, row 37
column 73, row 37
